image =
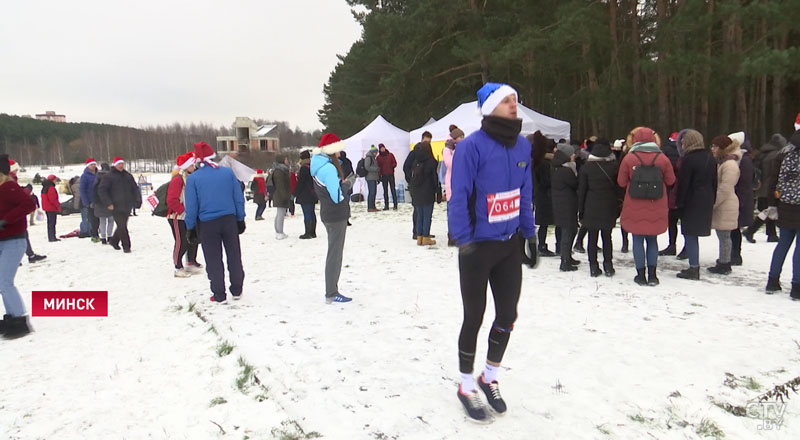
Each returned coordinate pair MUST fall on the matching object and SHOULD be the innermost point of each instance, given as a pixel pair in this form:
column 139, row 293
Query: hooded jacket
column 726, row 205
column 87, row 187
column 386, row 163
column 487, row 175
column 50, row 201
column 697, row 188
column 598, row 193
column 304, row 191
column 644, row 216
column 334, row 205
column 280, row 178
column 565, row 192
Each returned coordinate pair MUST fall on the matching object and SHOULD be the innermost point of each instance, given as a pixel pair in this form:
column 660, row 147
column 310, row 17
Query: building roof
column 266, row 129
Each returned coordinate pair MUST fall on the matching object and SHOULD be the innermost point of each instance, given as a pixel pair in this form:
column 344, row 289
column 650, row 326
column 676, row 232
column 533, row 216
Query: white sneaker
column 182, row 273
column 281, row 236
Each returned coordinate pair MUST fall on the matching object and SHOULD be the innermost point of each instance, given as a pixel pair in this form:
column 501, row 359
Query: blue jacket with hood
column 212, row 192
column 482, row 167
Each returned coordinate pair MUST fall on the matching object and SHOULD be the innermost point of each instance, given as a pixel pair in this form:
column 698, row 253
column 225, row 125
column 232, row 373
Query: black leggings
column 498, row 263
column 674, row 216
column 591, row 247
column 542, row 233
column 182, row 245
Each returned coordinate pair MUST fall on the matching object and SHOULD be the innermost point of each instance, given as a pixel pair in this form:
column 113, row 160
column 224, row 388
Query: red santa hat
column 91, row 161
column 14, row 166
column 184, row 161
column 52, row 178
column 203, row 151
column 329, row 144
column 259, row 171
column 674, row 136
column 117, row 160
column 797, row 122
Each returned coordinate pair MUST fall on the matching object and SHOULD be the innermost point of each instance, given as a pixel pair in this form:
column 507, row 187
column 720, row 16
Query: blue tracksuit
column 489, row 176
column 212, row 193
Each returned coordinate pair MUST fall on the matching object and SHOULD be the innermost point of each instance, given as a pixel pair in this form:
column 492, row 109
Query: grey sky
column 160, row 61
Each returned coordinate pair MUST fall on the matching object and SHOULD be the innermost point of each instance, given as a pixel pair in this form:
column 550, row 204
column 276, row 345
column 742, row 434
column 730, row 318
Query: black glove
column 241, row 227
column 2, row 224
column 530, row 252
column 191, row 236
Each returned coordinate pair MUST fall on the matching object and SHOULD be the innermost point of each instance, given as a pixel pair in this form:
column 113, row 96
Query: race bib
column 503, row 206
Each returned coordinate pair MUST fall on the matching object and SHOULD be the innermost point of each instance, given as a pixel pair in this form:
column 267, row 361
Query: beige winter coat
column 726, row 207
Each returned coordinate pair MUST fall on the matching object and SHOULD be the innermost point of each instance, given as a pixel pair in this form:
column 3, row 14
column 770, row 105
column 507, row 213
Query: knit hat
column 90, row 161
column 14, row 166
column 203, row 151
column 456, row 133
column 738, row 136
column 373, row 149
column 329, row 144
column 567, row 149
column 778, row 140
column 601, row 148
column 305, row 154
column 117, row 160
column 52, row 178
column 692, row 140
column 721, row 141
column 643, row 134
column 184, row 161
column 5, row 167
column 491, row 94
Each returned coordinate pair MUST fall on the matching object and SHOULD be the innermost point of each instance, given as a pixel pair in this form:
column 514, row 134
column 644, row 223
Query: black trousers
column 591, row 248
column 674, row 216
column 121, row 232
column 499, row 264
column 567, row 237
column 52, row 217
column 736, row 243
column 182, row 245
column 28, row 249
column 94, row 223
column 214, row 235
column 388, row 182
column 542, row 234
column 581, row 235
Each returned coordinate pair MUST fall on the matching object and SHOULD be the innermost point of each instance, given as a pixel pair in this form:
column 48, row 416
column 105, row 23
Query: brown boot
column 420, row 240
column 428, row 241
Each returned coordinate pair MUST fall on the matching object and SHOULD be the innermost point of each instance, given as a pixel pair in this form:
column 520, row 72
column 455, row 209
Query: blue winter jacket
column 482, row 169
column 87, row 187
column 212, row 193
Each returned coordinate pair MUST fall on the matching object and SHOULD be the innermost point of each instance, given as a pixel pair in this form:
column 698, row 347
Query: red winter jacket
column 15, row 205
column 386, row 163
column 643, row 216
column 175, row 196
column 50, row 201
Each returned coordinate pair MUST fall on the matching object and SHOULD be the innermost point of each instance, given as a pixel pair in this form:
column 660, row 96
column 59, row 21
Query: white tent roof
column 430, row 121
column 467, row 117
column 243, row 172
column 379, row 131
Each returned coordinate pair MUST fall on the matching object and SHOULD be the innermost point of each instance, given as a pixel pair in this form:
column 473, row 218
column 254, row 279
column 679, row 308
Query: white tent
column 467, row 117
column 243, row 172
column 379, row 131
column 430, row 121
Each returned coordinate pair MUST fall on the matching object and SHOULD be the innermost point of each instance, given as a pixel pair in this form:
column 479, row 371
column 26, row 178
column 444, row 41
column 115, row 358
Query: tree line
column 35, row 142
column 605, row 66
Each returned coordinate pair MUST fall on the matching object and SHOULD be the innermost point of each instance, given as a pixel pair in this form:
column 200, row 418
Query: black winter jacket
column 120, row 189
column 304, row 191
column 564, row 192
column 697, row 191
column 542, row 196
column 598, row 194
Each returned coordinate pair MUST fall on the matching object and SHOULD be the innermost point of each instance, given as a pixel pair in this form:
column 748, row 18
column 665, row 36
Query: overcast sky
column 160, row 61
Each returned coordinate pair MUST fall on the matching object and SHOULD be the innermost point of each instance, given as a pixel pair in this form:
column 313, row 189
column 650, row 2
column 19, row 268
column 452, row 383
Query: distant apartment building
column 249, row 137
column 51, row 116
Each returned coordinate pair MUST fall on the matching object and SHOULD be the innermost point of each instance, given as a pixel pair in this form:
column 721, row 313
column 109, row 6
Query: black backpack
column 161, row 194
column 418, row 174
column 361, row 169
column 647, row 181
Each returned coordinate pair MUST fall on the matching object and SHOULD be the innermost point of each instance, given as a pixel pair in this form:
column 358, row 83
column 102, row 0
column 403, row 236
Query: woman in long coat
column 598, row 201
column 726, row 206
column 697, row 189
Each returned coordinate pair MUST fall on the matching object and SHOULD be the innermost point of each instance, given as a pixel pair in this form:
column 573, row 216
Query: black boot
column 773, row 285
column 566, row 267
column 313, row 229
column 752, row 229
column 16, row 327
column 640, row 278
column 683, row 255
column 736, row 260
column 721, row 268
column 795, row 294
column 670, row 250
column 624, row 249
column 3, row 323
column 692, row 273
column 594, row 270
column 652, row 279
column 307, row 234
column 544, row 252
column 608, row 268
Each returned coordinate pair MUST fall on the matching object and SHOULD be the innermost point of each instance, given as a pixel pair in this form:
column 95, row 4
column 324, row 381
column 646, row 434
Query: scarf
column 502, row 130
column 571, row 165
column 645, row 147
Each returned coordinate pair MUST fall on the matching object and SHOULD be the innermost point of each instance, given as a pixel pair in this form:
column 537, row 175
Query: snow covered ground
column 589, row 357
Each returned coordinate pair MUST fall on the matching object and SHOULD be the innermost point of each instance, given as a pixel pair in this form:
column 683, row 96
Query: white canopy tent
column 468, row 118
column 243, row 172
column 379, row 131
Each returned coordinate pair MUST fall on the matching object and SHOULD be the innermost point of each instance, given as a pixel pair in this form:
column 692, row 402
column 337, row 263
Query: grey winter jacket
column 371, row 164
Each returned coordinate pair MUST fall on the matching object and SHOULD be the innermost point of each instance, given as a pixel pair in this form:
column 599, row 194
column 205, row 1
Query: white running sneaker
column 280, row 236
column 182, row 273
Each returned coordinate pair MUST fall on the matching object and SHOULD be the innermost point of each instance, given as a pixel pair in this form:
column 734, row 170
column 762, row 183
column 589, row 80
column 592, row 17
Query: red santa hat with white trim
column 184, row 161
column 329, row 144
column 14, row 166
column 203, row 152
column 91, row 161
column 797, row 122
column 117, row 160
